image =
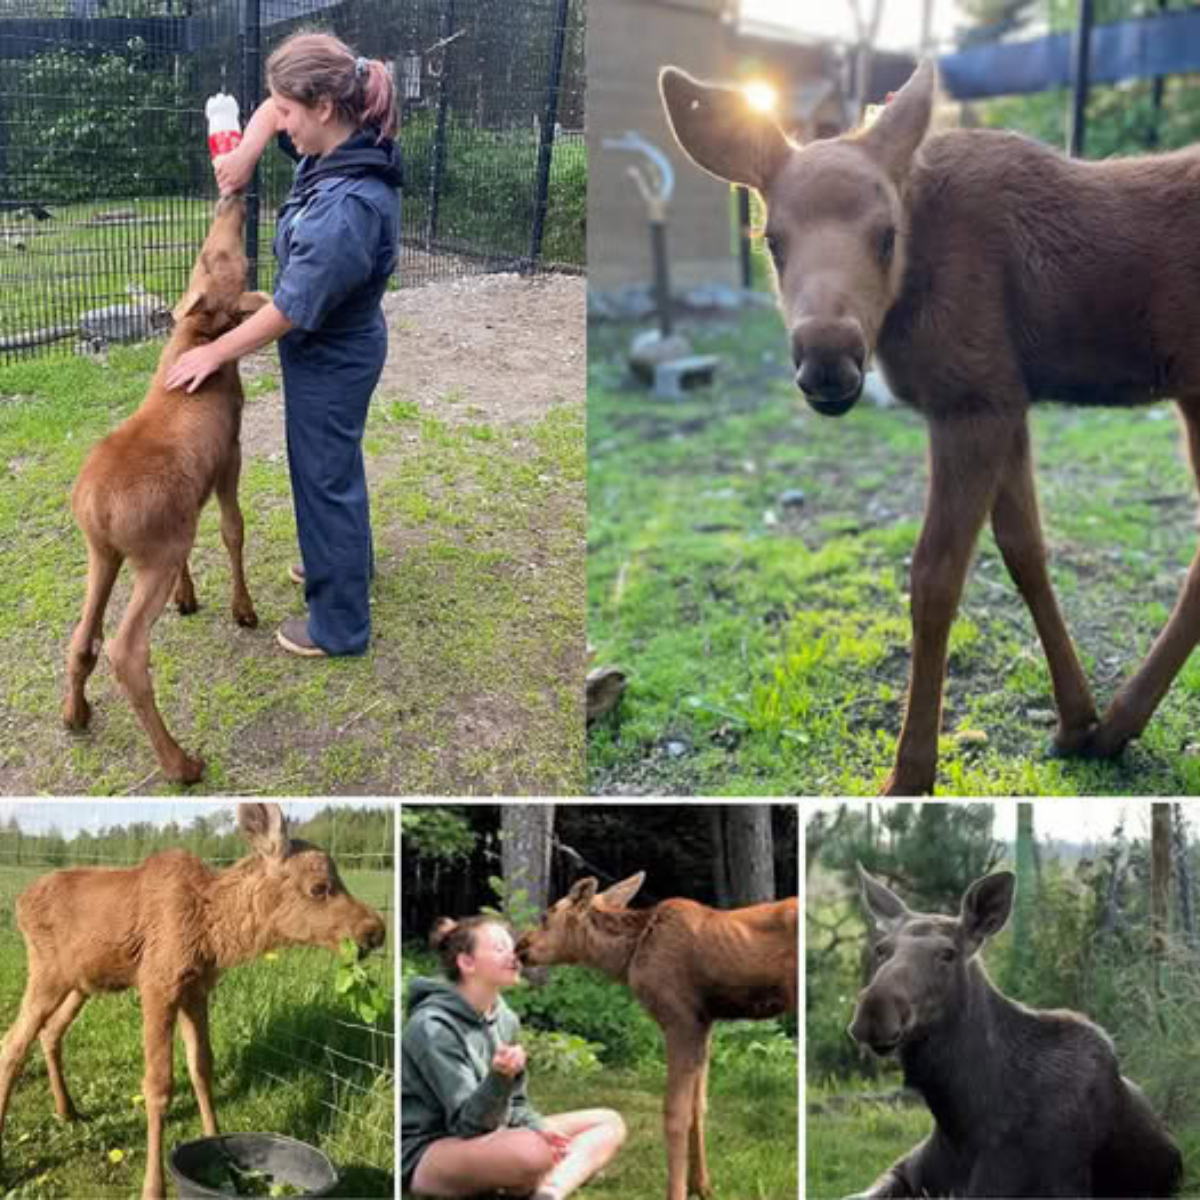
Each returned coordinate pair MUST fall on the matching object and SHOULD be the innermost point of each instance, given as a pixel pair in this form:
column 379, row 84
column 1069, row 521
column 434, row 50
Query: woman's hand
column 559, row 1143
column 234, row 170
column 509, row 1061
column 190, row 370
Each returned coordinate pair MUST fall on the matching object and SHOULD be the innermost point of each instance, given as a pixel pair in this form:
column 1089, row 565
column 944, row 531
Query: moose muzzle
column 829, row 357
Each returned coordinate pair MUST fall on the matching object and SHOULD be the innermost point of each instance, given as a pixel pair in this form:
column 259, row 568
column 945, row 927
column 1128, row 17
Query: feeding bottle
column 224, row 128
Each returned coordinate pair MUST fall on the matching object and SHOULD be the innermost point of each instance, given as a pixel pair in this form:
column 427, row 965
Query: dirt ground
column 513, row 344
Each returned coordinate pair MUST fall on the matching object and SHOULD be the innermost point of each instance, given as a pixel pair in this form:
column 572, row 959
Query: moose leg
column 1135, row 703
column 686, row 1040
column 85, row 642
column 42, row 997
column 967, row 456
column 158, row 1031
column 1018, row 533
column 51, row 1038
column 698, row 1181
column 129, row 653
column 193, row 1025
column 185, row 592
column 233, row 534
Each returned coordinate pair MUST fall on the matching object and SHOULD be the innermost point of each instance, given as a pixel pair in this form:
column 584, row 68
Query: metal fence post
column 437, row 174
column 250, row 53
column 546, row 144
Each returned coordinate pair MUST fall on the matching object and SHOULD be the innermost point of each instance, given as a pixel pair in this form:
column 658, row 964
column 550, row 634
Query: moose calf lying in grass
column 986, row 271
column 689, row 965
column 140, row 493
column 1025, row 1103
column 168, row 928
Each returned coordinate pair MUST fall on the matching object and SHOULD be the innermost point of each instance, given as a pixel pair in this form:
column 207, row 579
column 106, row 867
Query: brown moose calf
column 168, row 928
column 1025, row 1103
column 689, row 965
column 985, row 271
column 140, row 492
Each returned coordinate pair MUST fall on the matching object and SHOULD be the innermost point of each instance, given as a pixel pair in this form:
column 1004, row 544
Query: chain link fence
column 292, row 1053
column 105, row 184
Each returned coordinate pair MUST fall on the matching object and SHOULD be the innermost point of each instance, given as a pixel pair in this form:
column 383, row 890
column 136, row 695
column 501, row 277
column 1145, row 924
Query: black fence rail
column 105, row 183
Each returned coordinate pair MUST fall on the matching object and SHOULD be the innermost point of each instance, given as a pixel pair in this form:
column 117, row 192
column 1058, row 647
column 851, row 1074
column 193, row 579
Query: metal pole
column 546, row 144
column 250, row 36
column 743, row 208
column 439, row 143
column 1081, row 72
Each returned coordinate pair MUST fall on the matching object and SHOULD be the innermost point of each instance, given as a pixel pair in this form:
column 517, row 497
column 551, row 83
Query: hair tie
column 360, row 67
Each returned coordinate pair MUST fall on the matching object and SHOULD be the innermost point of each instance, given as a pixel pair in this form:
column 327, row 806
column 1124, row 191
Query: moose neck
column 613, row 937
column 241, row 900
column 956, row 1066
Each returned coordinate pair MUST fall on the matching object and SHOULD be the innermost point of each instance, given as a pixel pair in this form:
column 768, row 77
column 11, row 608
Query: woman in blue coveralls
column 336, row 242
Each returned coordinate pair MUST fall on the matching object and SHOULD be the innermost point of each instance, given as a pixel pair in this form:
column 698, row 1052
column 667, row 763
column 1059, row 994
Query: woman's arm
column 234, row 170
column 193, row 368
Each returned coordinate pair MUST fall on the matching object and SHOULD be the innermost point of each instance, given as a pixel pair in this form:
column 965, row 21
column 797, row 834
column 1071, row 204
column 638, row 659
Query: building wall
column 627, row 42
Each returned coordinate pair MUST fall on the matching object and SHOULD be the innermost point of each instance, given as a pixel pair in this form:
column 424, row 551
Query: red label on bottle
column 223, row 142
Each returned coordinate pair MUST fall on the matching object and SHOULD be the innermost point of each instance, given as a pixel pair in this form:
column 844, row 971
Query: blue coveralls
column 336, row 244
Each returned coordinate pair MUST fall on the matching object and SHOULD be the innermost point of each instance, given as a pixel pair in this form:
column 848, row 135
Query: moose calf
column 140, row 493
column 1025, row 1103
column 985, row 271
column 168, row 928
column 689, row 965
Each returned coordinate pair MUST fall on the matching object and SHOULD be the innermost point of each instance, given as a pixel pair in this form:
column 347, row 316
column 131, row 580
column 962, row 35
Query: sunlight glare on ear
column 761, row 96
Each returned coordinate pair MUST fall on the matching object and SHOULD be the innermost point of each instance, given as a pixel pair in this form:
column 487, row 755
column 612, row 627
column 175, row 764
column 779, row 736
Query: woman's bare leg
column 513, row 1159
column 596, row 1135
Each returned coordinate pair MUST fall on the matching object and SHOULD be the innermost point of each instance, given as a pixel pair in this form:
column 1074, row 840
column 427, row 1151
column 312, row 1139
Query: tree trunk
column 1026, row 889
column 749, row 853
column 720, row 860
column 525, row 834
column 1183, row 873
column 1160, row 886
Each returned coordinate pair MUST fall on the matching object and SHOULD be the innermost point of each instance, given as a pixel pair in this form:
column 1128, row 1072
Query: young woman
column 466, row 1124
column 336, row 242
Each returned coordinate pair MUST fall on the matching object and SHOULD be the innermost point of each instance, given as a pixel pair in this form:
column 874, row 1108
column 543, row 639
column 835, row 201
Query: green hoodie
column 447, row 1085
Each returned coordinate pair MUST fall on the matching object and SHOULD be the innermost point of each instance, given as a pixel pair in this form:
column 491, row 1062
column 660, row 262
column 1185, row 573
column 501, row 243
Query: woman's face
column 494, row 960
column 309, row 128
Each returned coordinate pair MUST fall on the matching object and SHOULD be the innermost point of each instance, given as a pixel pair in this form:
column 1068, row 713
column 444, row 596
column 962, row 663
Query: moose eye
column 882, row 951
column 775, row 248
column 947, row 955
column 887, row 245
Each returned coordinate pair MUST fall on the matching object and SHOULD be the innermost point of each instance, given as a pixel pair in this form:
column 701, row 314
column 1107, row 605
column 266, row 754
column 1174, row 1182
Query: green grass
column 471, row 682
column 289, row 1058
column 751, row 1131
column 768, row 645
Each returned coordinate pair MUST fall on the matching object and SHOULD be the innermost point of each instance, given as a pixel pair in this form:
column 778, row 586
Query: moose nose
column 829, row 357
column 881, row 1022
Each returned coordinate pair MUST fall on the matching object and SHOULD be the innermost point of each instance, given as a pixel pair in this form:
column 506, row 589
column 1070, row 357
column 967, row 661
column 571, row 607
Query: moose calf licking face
column 1025, row 1103
column 168, row 928
column 986, row 271
column 689, row 965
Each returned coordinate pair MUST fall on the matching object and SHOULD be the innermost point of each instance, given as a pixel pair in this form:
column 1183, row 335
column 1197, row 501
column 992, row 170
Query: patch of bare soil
column 507, row 346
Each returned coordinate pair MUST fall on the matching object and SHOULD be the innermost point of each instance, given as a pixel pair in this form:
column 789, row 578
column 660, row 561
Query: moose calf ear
column 986, row 905
column 886, row 908
column 903, row 124
column 265, row 828
column 620, row 894
column 720, row 132
column 192, row 303
column 583, row 891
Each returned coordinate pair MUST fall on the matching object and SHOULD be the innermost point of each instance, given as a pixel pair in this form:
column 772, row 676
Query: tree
column 525, row 836
column 1160, row 885
column 743, row 854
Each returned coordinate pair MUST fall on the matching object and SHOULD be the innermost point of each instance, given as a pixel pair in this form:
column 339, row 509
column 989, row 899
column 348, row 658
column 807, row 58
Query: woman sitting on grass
column 466, row 1125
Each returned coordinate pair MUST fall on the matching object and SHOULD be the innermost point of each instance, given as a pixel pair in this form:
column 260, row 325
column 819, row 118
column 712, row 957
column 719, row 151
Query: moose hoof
column 246, row 617
column 187, row 770
column 76, row 717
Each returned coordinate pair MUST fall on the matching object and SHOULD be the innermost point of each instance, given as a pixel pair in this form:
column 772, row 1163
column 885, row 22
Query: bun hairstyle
column 450, row 938
column 309, row 67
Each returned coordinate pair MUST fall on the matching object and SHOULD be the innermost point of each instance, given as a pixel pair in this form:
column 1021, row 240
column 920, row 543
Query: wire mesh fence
column 292, row 1053
column 105, row 184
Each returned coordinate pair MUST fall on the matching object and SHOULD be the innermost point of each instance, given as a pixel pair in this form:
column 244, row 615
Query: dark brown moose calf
column 168, row 928
column 689, row 965
column 140, row 492
column 1025, row 1103
column 985, row 271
